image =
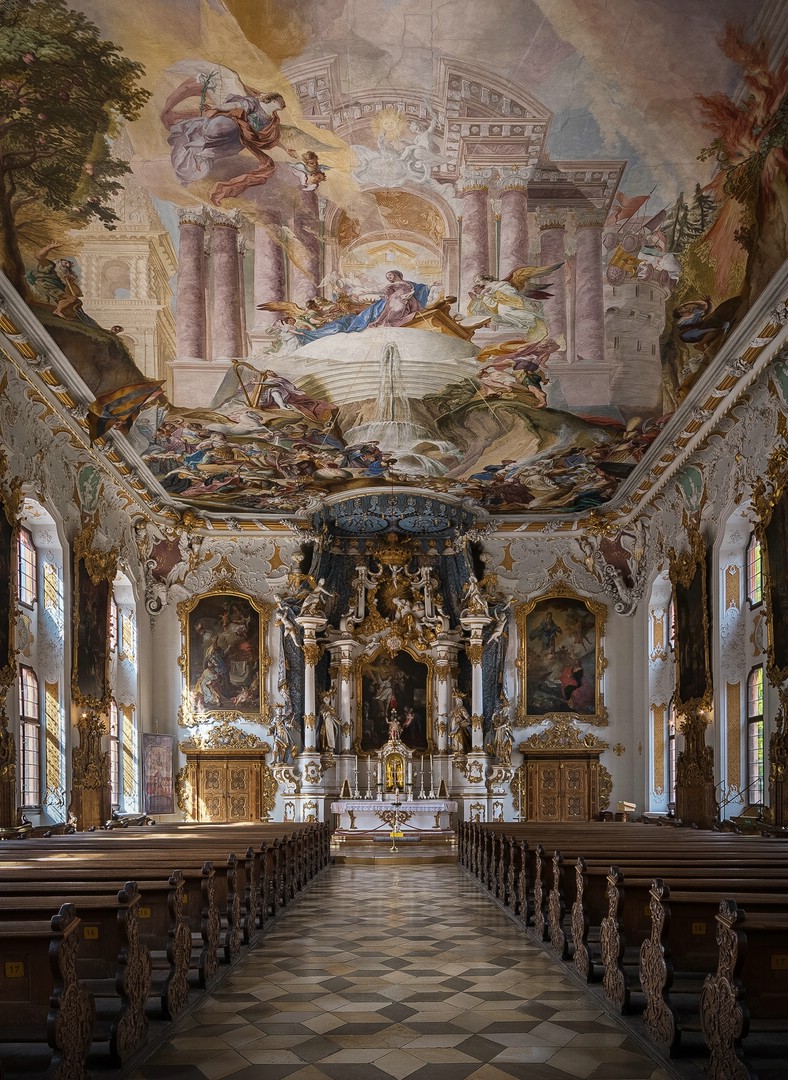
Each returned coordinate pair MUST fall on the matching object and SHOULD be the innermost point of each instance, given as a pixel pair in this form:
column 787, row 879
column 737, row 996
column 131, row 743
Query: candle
column 432, row 776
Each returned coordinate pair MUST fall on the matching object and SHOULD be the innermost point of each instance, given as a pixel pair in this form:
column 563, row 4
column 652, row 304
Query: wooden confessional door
column 561, row 788
column 225, row 786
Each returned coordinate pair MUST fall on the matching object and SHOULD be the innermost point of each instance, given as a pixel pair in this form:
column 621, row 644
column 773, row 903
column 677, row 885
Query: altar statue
column 502, row 737
column 395, row 727
column 459, row 724
column 282, row 735
column 315, row 600
column 329, row 723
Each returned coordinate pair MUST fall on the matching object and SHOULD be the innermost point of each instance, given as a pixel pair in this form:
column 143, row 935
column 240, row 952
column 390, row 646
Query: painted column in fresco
column 475, row 238
column 227, row 319
column 305, row 253
column 552, row 249
column 190, row 318
column 589, row 302
column 270, row 280
column 514, row 224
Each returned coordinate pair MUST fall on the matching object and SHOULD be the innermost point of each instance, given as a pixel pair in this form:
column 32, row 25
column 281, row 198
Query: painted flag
column 120, row 408
column 624, row 260
column 627, row 206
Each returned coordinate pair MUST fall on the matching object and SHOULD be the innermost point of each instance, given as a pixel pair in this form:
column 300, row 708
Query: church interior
column 393, row 539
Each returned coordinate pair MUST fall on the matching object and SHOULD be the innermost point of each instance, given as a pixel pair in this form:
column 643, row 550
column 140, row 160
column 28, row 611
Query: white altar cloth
column 357, row 816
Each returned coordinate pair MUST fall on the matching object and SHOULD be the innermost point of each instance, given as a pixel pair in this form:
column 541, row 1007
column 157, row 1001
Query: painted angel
column 309, row 171
column 513, row 301
column 226, row 118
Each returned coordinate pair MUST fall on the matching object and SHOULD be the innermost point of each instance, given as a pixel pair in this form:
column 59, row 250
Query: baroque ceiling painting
column 482, row 251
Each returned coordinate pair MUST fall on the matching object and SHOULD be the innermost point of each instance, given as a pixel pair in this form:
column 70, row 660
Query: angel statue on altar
column 223, row 117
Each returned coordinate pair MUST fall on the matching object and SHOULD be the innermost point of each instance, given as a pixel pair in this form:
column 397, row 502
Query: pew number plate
column 90, row 933
column 14, row 969
column 698, row 929
column 779, row 962
column 144, row 912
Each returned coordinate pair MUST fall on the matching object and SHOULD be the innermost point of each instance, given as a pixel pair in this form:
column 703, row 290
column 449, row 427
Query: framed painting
column 7, row 604
column 393, row 688
column 157, row 773
column 561, row 659
column 688, row 573
column 772, row 531
column 224, row 659
column 94, row 573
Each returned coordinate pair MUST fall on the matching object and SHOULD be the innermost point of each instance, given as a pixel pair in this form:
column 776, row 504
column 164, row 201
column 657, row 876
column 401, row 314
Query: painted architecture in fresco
column 286, row 260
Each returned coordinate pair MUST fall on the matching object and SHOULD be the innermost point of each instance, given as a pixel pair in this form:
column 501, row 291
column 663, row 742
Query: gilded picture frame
column 223, row 657
column 405, row 678
column 692, row 629
column 94, row 575
column 771, row 529
column 8, row 535
column 561, row 660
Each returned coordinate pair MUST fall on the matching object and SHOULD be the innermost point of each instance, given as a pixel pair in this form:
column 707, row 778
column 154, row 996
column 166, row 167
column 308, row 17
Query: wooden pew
column 628, row 922
column 42, row 1000
column 112, row 962
column 747, row 994
column 683, row 949
column 161, row 920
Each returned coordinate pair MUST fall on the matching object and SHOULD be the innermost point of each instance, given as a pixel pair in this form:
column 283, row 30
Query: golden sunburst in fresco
column 391, row 124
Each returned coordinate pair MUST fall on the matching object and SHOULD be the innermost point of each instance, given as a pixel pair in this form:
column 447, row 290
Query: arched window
column 27, row 562
column 29, row 739
column 754, row 572
column 114, row 754
column 672, row 753
column 755, row 735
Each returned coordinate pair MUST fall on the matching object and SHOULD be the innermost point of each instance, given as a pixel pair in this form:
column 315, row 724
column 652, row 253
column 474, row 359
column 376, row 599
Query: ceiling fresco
column 298, row 249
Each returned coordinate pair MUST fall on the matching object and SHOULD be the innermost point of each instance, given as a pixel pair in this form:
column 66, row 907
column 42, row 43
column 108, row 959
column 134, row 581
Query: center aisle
column 398, row 972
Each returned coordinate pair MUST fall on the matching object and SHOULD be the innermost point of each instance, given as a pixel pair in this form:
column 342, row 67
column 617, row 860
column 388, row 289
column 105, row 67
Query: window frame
column 755, row 720
column 25, row 542
column 29, row 740
column 752, row 544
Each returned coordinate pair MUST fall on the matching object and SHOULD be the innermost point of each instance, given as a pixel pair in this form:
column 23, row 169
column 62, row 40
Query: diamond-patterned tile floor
column 398, row 972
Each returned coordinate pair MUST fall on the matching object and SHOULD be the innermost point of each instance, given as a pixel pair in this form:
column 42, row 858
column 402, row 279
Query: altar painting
column 6, row 598
column 224, row 658
column 688, row 573
column 774, row 540
column 561, row 658
column 393, row 687
column 90, row 678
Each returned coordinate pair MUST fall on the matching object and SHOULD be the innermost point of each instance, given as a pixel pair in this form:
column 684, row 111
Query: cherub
column 309, row 171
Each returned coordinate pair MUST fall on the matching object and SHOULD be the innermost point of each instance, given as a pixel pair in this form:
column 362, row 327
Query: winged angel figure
column 222, row 117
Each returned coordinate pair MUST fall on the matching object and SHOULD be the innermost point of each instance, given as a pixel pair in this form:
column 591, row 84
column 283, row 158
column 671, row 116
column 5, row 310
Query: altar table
column 427, row 817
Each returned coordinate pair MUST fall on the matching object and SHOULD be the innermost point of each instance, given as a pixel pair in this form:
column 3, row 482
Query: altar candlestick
column 369, row 777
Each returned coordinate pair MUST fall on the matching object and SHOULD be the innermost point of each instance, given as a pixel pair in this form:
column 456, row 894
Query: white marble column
column 190, row 315
column 227, row 321
column 310, row 624
column 474, row 650
column 552, row 249
column 445, row 657
column 344, row 653
column 589, row 301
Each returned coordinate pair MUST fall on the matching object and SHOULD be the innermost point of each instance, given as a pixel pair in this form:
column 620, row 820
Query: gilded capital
column 551, row 217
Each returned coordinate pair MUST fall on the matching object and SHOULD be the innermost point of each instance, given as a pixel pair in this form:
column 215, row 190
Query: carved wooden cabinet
column 560, row 785
column 226, row 785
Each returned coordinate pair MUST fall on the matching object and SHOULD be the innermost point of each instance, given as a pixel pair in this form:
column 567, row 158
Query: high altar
column 389, row 645
column 394, row 806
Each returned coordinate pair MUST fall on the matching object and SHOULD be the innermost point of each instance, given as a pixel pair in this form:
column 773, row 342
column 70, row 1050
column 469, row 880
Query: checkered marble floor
column 398, row 972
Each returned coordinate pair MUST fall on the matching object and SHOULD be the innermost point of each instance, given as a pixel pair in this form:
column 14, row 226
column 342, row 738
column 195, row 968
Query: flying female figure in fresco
column 513, row 301
column 227, row 117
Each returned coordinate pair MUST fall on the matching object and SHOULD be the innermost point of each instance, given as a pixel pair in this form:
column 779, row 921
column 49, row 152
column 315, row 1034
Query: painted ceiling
column 295, row 250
